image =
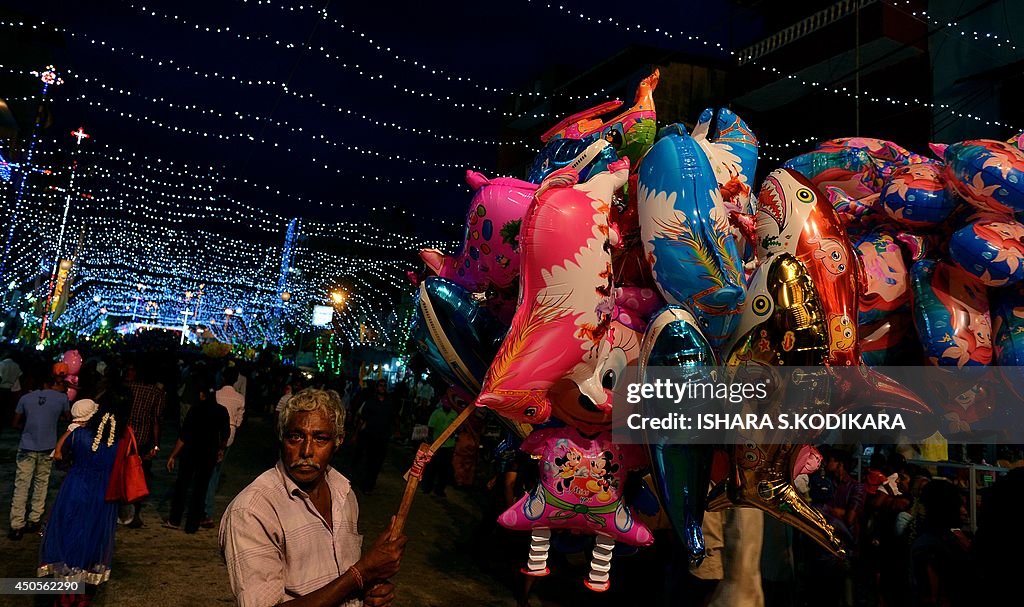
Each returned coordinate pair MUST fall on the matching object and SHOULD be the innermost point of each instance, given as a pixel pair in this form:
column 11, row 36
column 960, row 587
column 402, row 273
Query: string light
column 190, row 172
column 431, row 69
column 996, row 39
column 632, row 27
column 364, row 118
column 865, row 95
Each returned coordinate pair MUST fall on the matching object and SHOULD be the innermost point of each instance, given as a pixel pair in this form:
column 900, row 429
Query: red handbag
column 127, row 480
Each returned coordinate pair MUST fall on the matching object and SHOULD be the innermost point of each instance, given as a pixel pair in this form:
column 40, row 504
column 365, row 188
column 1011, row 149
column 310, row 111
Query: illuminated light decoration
column 269, row 83
column 49, row 78
column 996, row 39
column 864, row 95
column 364, row 118
column 190, row 172
column 5, row 169
column 354, row 67
column 164, row 275
column 433, row 70
column 680, row 35
column 320, row 138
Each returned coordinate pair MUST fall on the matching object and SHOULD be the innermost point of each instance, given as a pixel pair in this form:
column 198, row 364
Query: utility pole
column 856, row 73
column 58, row 263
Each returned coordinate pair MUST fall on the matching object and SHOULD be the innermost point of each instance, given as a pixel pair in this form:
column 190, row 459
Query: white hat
column 84, row 409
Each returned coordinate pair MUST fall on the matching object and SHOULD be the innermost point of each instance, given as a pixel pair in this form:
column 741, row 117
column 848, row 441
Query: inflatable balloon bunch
column 529, row 318
column 631, row 247
column 941, row 254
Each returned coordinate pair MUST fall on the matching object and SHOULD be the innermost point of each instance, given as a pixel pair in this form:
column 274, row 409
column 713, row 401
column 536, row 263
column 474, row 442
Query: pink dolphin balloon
column 560, row 329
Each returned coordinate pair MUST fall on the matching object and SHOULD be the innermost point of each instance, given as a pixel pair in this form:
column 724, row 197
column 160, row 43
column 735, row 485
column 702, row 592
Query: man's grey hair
column 312, row 399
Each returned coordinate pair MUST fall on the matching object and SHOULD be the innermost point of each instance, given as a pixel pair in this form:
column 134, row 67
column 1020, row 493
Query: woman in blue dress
column 79, row 541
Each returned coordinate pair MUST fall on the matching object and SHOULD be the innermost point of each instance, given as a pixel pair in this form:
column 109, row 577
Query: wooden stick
column 412, row 477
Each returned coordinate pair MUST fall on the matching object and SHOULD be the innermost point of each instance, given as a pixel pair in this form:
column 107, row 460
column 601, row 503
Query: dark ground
column 447, row 562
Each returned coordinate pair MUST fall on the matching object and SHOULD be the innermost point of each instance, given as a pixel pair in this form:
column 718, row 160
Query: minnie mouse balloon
column 560, row 327
column 991, row 249
column 580, row 488
column 686, row 233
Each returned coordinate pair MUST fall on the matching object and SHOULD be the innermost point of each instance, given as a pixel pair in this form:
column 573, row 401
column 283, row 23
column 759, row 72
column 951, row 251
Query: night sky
column 506, row 45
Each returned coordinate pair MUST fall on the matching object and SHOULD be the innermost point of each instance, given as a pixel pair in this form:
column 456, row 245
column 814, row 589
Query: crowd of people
column 78, row 423
column 903, row 525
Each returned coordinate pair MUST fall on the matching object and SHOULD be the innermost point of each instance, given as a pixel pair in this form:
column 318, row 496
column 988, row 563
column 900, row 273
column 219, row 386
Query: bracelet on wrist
column 358, row 575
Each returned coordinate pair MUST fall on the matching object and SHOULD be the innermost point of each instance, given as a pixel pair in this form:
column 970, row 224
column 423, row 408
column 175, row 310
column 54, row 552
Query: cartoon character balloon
column 616, row 370
column 916, row 196
column 580, row 488
column 951, row 314
column 849, row 169
column 560, row 328
column 988, row 174
column 886, row 287
column 991, row 249
column 1008, row 327
column 489, row 258
column 686, row 233
column 630, row 133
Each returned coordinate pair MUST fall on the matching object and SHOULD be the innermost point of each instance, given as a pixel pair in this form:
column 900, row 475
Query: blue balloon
column 456, row 335
column 990, row 249
column 560, row 152
column 726, row 129
column 1008, row 328
column 681, row 472
column 685, row 229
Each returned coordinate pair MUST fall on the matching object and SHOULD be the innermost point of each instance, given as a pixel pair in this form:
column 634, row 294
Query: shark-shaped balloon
column 795, row 220
column 681, row 472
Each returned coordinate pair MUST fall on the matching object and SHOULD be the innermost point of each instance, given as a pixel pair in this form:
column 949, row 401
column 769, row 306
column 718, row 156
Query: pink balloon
column 72, row 385
column 560, row 329
column 580, row 487
column 73, row 359
column 489, row 258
